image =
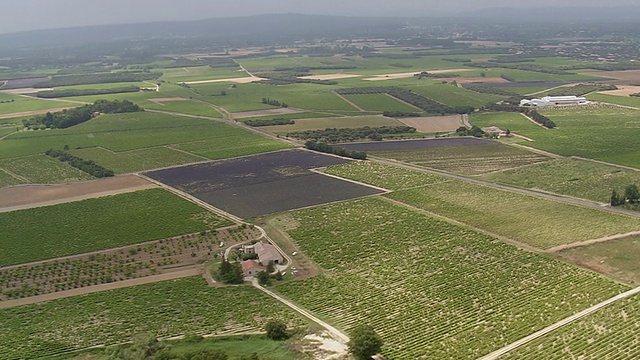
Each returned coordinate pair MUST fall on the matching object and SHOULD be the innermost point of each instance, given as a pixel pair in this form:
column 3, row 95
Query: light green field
column 302, row 115
column 164, row 309
column 97, row 224
column 573, row 177
column 609, row 334
column 42, row 169
column 380, row 102
column 199, row 73
column 8, row 180
column 384, row 176
column 615, row 99
column 465, row 159
column 535, row 221
column 454, row 96
column 232, row 146
column 428, row 286
column 23, row 104
column 334, row 122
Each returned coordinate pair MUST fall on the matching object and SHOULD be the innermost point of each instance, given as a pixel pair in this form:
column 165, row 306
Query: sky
column 20, row 15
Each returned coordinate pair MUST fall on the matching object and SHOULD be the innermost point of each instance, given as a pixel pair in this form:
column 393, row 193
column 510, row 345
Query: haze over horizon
column 27, row 15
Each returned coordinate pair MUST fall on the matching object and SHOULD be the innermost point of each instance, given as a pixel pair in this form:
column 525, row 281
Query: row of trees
column 87, row 166
column 631, row 195
column 399, row 114
column 48, row 94
column 336, row 150
column 333, row 135
column 474, row 131
column 70, row 117
column 269, row 122
column 273, row 102
column 539, row 118
column 230, row 273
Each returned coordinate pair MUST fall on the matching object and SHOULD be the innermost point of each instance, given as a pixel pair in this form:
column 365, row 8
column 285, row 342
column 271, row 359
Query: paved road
column 496, row 354
column 560, row 198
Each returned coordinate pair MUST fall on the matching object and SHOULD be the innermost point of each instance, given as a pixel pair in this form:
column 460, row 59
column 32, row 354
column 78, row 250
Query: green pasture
column 573, row 177
column 615, row 99
column 334, row 122
column 24, row 103
column 532, row 220
column 7, row 179
column 200, row 73
column 164, row 309
column 384, row 176
column 455, row 96
column 232, row 146
column 97, row 224
column 42, row 169
column 380, row 103
column 428, row 286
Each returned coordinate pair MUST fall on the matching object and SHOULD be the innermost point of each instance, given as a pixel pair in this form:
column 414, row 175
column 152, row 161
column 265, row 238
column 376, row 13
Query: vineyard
column 609, row 334
column 429, row 287
column 528, row 219
column 116, row 265
column 385, row 176
column 97, row 224
column 165, row 309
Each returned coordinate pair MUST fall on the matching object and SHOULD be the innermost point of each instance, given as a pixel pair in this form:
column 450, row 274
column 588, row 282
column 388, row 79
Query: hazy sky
column 18, row 15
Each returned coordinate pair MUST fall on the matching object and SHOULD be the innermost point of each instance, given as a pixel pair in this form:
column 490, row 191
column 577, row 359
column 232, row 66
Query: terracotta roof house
column 251, row 268
column 267, row 253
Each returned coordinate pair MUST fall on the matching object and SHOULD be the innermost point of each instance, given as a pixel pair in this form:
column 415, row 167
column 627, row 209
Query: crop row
column 610, row 333
column 164, row 309
column 430, row 288
column 116, row 265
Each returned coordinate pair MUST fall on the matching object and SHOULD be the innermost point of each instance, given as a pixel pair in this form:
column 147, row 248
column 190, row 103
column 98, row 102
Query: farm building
column 251, row 268
column 267, row 253
column 555, row 100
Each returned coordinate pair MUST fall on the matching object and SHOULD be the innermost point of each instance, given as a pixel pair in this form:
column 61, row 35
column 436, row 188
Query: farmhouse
column 555, row 100
column 267, row 253
column 251, row 268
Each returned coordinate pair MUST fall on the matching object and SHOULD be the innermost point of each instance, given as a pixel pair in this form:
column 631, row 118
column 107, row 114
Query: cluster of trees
column 333, row 135
column 364, row 342
column 424, row 103
column 7, row 101
column 87, row 166
column 631, row 195
column 99, row 78
column 274, row 102
column 230, row 273
column 539, row 118
column 474, row 131
column 70, row 117
column 269, row 122
column 48, row 94
column 424, row 75
column 336, row 150
column 397, row 114
column 581, row 89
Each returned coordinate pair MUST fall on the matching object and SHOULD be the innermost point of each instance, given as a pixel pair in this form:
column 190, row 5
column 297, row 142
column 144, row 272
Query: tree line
column 70, row 117
column 273, row 102
column 333, row 135
column 631, row 195
column 87, row 166
column 335, row 150
column 398, row 114
column 269, row 122
column 48, row 94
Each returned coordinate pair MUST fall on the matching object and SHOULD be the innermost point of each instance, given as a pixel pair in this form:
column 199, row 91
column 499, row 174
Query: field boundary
column 606, row 163
column 592, row 241
column 496, row 354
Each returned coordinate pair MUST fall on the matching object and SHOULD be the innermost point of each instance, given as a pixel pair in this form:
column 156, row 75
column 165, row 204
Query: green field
column 97, row 224
column 573, row 177
column 427, row 286
column 615, row 99
column 233, row 146
column 23, row 103
column 609, row 334
column 198, row 73
column 164, row 309
column 385, row 176
column 455, row 96
column 42, row 169
column 7, row 180
column 474, row 159
column 334, row 122
column 528, row 219
column 380, row 103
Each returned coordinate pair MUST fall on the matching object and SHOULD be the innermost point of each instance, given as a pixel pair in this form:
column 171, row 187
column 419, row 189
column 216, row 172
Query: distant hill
column 557, row 14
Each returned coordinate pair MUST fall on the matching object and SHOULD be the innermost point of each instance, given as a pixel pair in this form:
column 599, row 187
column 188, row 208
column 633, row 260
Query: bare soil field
column 413, row 144
column 434, row 124
column 24, row 83
column 410, row 74
column 254, row 113
column 623, row 90
column 241, row 80
column 26, row 196
column 34, row 112
column 329, row 76
column 263, row 184
column 624, row 75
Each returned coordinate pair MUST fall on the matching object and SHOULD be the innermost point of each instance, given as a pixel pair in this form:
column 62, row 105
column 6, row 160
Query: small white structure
column 555, row 100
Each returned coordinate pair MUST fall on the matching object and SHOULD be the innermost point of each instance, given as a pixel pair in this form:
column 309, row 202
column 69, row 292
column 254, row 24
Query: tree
column 365, row 342
column 263, row 278
column 144, row 346
column 616, row 199
column 276, row 330
column 631, row 193
column 230, row 273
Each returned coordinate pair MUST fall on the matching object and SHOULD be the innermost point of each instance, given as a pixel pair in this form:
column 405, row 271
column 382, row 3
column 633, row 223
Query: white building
column 555, row 100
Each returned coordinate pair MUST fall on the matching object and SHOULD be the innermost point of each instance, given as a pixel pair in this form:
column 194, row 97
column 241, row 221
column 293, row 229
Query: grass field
column 7, row 180
column 385, row 176
column 609, row 334
column 232, row 146
column 615, row 99
column 164, row 309
column 528, row 219
column 42, row 169
column 97, row 224
column 616, row 258
column 22, row 104
column 380, row 103
column 427, row 286
column 334, row 122
column 201, row 73
column 454, row 96
column 574, row 177
column 464, row 159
